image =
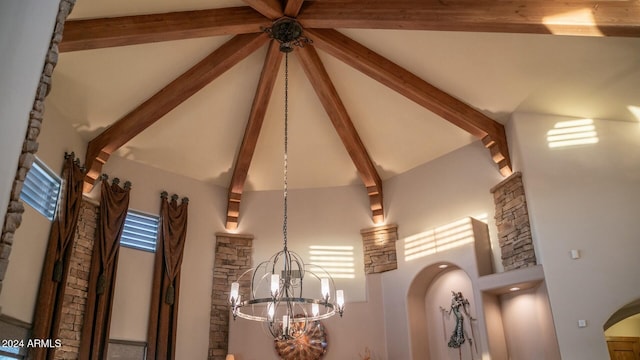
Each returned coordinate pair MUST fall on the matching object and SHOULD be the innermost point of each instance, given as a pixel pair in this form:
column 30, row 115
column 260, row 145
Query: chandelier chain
column 276, row 296
column 286, row 144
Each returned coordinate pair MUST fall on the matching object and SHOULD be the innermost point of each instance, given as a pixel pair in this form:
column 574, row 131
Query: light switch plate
column 582, row 323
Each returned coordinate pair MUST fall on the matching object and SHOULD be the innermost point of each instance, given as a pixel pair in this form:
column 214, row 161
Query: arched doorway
column 622, row 332
column 430, row 328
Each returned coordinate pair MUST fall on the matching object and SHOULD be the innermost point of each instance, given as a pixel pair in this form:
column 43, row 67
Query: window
column 15, row 337
column 124, row 349
column 41, row 189
column 10, row 353
column 140, row 231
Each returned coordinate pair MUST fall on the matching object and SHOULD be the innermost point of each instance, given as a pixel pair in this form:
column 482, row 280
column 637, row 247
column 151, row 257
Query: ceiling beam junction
column 272, row 9
column 585, row 18
column 226, row 56
column 252, row 132
column 141, row 29
column 411, row 86
column 292, row 8
column 323, row 86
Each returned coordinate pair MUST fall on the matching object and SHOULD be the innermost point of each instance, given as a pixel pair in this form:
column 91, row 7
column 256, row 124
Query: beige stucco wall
column 26, row 27
column 585, row 198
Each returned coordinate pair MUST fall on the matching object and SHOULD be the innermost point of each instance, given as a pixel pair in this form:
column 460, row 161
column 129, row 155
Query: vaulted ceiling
column 195, row 87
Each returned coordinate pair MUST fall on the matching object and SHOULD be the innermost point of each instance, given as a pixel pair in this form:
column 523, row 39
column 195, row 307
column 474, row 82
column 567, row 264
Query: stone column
column 512, row 220
column 232, row 258
column 77, row 288
column 380, row 248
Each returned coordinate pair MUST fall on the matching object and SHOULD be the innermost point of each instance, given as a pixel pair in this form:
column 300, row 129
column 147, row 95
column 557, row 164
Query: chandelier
column 285, row 294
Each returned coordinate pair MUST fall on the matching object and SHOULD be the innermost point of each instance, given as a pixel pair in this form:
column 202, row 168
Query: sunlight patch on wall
column 484, row 217
column 336, row 260
column 572, row 23
column 572, row 133
column 442, row 238
column 635, row 110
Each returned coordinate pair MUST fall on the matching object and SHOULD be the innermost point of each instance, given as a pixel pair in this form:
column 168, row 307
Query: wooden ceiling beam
column 609, row 18
column 226, row 56
column 406, row 83
column 252, row 132
column 131, row 30
column 587, row 18
column 292, row 8
column 272, row 9
column 323, row 86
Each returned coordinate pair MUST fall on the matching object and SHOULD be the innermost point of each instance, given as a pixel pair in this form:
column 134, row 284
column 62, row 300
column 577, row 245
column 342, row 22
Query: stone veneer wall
column 13, row 217
column 77, row 288
column 380, row 249
column 232, row 258
column 512, row 220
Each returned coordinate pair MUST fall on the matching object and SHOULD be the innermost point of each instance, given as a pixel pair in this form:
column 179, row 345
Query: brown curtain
column 163, row 317
column 55, row 270
column 114, row 202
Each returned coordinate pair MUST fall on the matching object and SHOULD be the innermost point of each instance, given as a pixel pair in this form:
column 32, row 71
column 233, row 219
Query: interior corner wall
column 25, row 27
column 21, row 283
column 585, row 198
column 524, row 313
column 25, row 32
column 447, row 189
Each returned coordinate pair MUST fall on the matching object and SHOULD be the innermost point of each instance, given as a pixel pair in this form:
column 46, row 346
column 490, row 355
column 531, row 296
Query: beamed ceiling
column 196, row 87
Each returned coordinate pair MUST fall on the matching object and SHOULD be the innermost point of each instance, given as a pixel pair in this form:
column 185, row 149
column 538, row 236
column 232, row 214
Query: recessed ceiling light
column 515, row 288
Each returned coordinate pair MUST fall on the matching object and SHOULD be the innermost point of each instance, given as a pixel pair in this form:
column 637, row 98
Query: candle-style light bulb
column 271, row 310
column 285, row 324
column 324, row 287
column 340, row 300
column 235, row 289
column 340, row 297
column 275, row 284
column 315, row 309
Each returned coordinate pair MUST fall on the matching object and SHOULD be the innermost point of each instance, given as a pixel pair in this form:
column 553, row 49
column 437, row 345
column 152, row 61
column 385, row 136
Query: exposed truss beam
column 418, row 90
column 293, row 8
column 269, row 8
column 589, row 18
column 334, row 107
column 610, row 18
column 252, row 132
column 140, row 29
column 100, row 148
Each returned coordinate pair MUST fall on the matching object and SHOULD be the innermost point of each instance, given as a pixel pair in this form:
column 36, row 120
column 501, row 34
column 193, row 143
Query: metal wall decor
column 311, row 346
column 460, row 309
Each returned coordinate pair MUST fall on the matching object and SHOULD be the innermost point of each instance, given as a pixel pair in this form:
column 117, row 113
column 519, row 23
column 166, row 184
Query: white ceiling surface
column 495, row 73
